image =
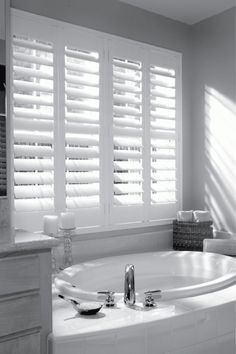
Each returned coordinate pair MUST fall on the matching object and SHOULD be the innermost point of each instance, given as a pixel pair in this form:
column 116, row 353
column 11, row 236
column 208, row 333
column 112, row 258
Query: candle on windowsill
column 50, row 225
column 67, row 221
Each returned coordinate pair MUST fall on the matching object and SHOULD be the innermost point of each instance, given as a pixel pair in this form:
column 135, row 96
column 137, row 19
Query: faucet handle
column 110, row 298
column 150, row 296
column 154, row 292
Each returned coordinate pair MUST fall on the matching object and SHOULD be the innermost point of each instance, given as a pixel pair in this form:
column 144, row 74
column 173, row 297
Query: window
column 96, row 123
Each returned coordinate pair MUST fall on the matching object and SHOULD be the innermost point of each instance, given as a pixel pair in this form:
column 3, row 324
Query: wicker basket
column 189, row 236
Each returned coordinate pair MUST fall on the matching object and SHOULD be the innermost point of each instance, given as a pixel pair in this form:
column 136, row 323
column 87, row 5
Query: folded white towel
column 227, row 247
column 201, row 216
column 186, row 216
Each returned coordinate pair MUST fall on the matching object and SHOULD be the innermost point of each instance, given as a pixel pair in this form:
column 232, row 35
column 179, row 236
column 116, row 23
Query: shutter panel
column 82, row 127
column 127, row 129
column 33, row 124
column 163, row 138
column 3, row 171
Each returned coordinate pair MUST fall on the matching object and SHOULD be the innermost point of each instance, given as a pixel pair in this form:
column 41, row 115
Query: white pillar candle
column 67, row 221
column 50, row 224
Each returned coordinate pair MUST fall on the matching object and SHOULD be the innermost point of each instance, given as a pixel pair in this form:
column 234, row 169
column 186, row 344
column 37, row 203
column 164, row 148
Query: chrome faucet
column 129, row 286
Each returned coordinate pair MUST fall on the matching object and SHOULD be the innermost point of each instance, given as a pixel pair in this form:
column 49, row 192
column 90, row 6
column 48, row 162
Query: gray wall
column 213, row 117
column 124, row 20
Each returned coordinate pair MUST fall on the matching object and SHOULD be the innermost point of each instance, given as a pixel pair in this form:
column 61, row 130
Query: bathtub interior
column 157, row 270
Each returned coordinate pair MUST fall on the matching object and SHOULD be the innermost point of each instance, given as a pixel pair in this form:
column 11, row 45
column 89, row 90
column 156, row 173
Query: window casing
column 96, row 121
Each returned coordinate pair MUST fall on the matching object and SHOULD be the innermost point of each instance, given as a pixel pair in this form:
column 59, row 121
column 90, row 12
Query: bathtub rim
column 219, row 283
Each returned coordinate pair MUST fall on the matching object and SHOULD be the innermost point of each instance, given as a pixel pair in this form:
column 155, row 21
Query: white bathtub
column 136, row 329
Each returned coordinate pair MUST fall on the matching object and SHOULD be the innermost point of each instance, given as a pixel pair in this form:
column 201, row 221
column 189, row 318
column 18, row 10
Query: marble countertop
column 12, row 241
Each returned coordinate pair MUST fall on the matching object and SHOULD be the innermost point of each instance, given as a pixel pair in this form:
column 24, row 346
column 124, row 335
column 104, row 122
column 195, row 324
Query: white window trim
column 105, row 38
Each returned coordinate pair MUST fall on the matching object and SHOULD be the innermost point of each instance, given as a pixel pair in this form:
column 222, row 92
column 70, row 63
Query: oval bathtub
column 176, row 274
column 120, row 329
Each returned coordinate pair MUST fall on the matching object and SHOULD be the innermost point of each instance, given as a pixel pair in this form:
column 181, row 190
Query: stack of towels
column 194, row 216
column 221, row 246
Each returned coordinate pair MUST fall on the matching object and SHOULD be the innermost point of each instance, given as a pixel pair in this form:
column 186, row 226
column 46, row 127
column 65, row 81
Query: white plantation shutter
column 96, row 127
column 3, row 172
column 127, row 135
column 163, row 140
column 82, row 133
column 33, row 124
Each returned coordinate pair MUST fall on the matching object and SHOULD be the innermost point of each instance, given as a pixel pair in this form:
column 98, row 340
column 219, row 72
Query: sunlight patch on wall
column 220, row 159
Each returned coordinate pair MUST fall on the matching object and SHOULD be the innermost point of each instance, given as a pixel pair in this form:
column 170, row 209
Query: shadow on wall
column 220, row 159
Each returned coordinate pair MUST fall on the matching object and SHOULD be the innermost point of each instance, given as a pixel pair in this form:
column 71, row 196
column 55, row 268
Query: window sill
column 81, row 234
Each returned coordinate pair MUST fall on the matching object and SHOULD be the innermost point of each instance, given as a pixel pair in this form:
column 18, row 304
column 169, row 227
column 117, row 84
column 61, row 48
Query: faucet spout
column 129, row 285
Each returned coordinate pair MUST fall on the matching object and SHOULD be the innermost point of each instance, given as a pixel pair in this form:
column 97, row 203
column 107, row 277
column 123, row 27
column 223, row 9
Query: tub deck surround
column 25, row 291
column 67, row 324
column 12, row 240
column 203, row 324
column 195, row 326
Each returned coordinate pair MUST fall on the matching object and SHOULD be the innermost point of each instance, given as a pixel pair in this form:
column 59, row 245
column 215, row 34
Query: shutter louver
column 82, row 128
column 33, row 124
column 163, row 134
column 127, row 132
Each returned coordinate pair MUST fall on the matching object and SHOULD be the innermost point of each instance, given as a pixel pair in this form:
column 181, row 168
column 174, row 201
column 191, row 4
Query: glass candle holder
column 55, row 259
column 67, row 256
column 55, row 254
